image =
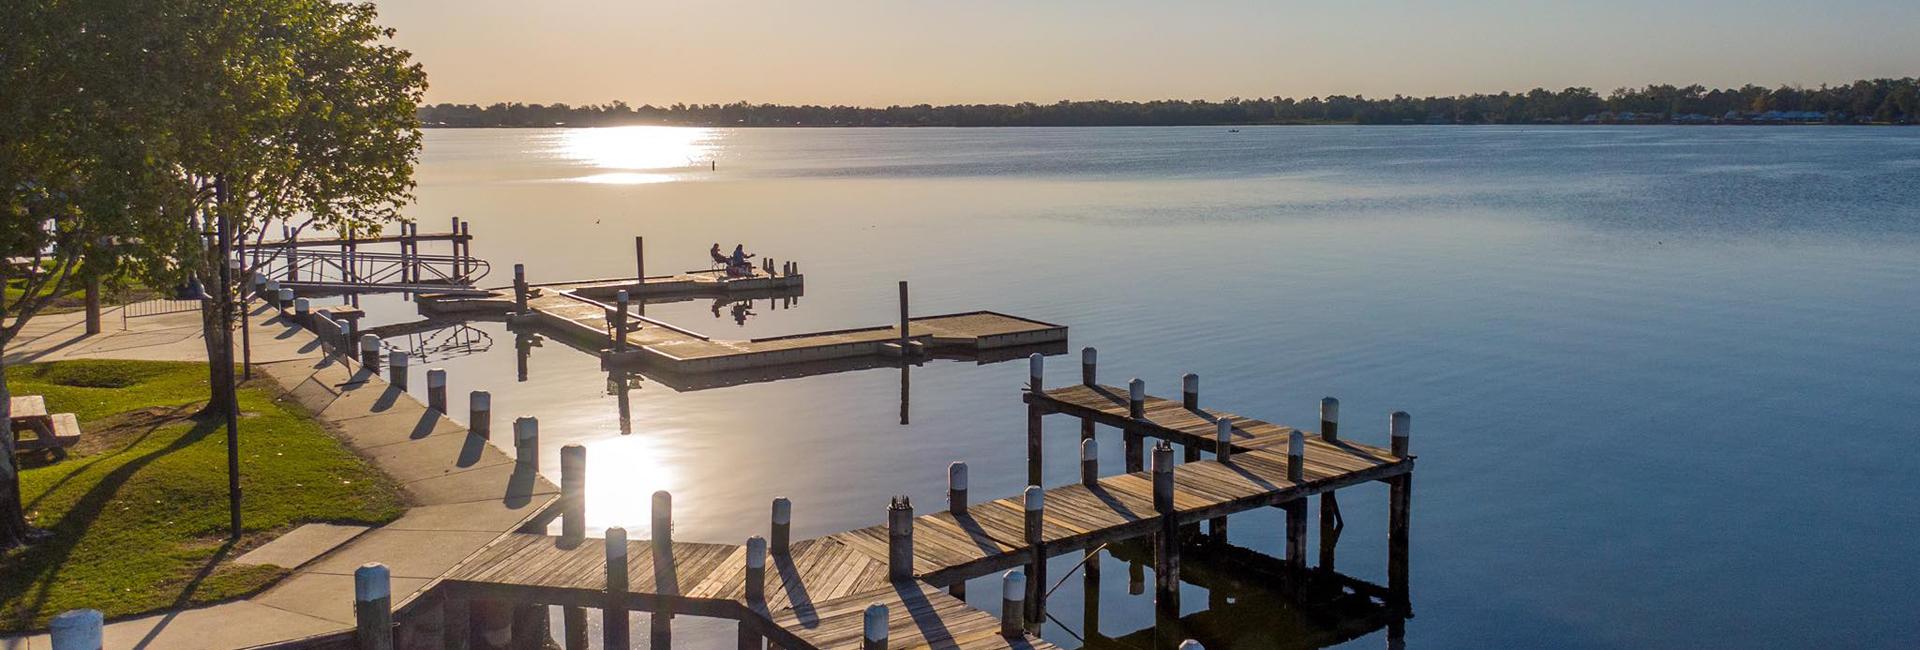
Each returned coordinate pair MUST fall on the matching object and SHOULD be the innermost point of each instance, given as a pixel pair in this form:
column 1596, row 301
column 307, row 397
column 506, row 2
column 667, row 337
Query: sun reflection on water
column 626, row 471
column 623, row 152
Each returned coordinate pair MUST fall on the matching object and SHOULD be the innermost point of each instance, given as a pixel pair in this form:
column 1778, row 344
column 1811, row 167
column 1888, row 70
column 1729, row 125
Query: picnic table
column 55, row 431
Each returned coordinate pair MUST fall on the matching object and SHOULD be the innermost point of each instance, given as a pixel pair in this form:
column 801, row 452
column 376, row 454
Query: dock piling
column 1034, row 502
column 1400, row 503
column 666, row 580
column 640, row 259
column 1135, row 450
column 874, row 636
column 437, row 389
column 1190, row 399
column 78, row 629
column 397, row 361
column 1296, row 556
column 1089, row 462
column 756, row 570
column 621, row 302
column 302, row 310
column 573, row 493
column 1222, row 453
column 286, row 299
column 1329, row 529
column 1013, row 606
column 782, row 524
column 1330, row 419
column 957, row 487
column 480, row 414
column 1400, row 426
column 904, row 350
column 526, row 444
column 1036, row 385
column 370, row 353
column 519, row 288
column 613, row 617
column 1166, row 543
column 900, row 538
column 373, row 607
column 1089, row 365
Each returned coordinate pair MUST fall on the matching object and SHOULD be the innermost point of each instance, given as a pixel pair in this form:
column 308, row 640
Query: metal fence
column 156, row 307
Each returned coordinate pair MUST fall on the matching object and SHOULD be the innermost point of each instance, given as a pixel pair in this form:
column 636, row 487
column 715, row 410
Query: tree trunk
column 219, row 339
column 14, row 530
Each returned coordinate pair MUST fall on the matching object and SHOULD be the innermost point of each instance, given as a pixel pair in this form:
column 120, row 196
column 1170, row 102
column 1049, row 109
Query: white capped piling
column 1135, row 449
column 1401, row 426
column 302, row 308
column 1296, row 456
column 1329, row 419
column 526, row 443
column 1136, row 398
column 1190, row 391
column 272, row 290
column 519, row 288
column 756, row 569
column 782, row 532
column 1036, row 372
column 286, row 299
column 1089, row 462
column 373, row 607
column 1163, row 478
column 1089, row 366
column 1036, row 378
column 78, row 629
column 1013, row 604
column 613, row 620
column 1296, row 555
column 370, row 352
column 1223, row 440
column 1166, row 543
column 573, row 492
column 437, row 389
column 480, row 413
column 956, row 487
column 1033, row 501
column 900, row 538
column 664, row 580
column 874, row 636
column 397, row 361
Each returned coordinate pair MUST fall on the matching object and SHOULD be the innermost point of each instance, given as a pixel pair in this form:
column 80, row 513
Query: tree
column 129, row 130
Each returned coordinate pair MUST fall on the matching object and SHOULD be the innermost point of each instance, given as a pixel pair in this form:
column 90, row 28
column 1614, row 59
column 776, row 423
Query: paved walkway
column 464, row 492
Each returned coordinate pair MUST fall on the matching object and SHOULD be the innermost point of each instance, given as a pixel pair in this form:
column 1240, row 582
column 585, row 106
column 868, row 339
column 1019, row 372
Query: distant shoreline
column 1146, row 126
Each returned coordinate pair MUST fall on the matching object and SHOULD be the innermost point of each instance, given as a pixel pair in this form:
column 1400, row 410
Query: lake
column 1662, row 380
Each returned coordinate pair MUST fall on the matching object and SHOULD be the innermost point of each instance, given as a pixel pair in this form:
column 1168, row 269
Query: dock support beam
column 1036, row 387
column 1166, row 542
column 1330, row 526
column 613, row 618
column 1223, row 454
column 1400, row 517
column 900, row 538
column 1034, row 500
column 1297, row 508
column 957, row 505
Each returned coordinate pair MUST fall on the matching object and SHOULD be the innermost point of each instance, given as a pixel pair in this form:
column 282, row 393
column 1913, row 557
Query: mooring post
column 900, row 538
column 1330, row 419
column 957, row 487
column 666, row 580
column 397, row 361
column 1135, row 450
column 1036, row 388
column 78, row 629
column 874, row 628
column 1034, row 500
column 573, row 493
column 1222, row 453
column 782, row 524
column 640, row 259
column 613, row 617
column 1089, row 462
column 1297, row 508
column 1089, row 364
column 519, row 288
column 1329, row 528
column 1166, row 544
column 526, row 444
column 1399, row 510
column 1013, row 606
column 437, row 389
column 373, row 607
column 480, row 413
column 1400, row 426
column 302, row 310
column 620, row 304
column 286, row 300
column 1190, row 398
column 756, row 569
column 370, row 353
column 904, row 350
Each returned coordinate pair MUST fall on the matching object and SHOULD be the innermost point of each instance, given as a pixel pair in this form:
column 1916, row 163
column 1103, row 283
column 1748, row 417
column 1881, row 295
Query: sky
column 882, row 52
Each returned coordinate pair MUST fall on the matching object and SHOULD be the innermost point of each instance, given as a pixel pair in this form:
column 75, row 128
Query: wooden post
column 1296, row 456
column 519, row 288
column 1297, row 508
column 1036, row 387
column 665, row 578
column 1329, row 529
column 782, row 525
column 1400, row 504
column 957, row 487
column 1135, row 450
column 466, row 252
column 456, row 618
column 286, row 300
column 874, row 636
column 620, row 304
column 1329, row 419
column 1089, row 462
column 1400, row 426
column 80, row 629
column 526, row 444
column 494, row 621
column 574, row 618
column 530, row 628
column 1190, row 391
column 1166, row 543
column 437, row 389
column 370, row 352
column 756, row 587
column 397, row 361
column 480, row 413
column 900, row 539
column 573, row 493
column 1089, row 364
column 613, row 617
column 1222, row 453
column 373, row 607
column 1013, row 606
column 302, row 310
column 1034, row 501
column 904, row 350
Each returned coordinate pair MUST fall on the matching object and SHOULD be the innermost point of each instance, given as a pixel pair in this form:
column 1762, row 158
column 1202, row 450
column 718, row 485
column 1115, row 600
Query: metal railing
column 156, row 307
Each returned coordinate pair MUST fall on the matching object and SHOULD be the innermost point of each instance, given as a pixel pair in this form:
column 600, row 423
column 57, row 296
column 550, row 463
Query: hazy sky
column 881, row 52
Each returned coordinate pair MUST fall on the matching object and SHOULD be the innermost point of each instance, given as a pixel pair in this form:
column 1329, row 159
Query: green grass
column 139, row 512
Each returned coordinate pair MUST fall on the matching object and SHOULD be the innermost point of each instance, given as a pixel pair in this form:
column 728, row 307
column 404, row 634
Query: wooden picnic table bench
column 55, row 431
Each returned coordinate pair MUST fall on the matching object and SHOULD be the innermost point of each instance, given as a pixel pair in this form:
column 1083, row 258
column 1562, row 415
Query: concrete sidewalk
column 463, row 491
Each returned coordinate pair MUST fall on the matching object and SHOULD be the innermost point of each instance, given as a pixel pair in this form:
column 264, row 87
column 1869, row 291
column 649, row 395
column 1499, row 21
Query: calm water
column 1662, row 380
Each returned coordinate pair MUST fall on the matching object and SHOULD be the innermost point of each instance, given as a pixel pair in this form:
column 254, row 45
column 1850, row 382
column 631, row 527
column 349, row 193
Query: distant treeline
column 1880, row 101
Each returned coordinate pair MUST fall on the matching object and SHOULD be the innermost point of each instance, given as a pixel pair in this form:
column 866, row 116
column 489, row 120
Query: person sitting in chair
column 718, row 258
column 738, row 266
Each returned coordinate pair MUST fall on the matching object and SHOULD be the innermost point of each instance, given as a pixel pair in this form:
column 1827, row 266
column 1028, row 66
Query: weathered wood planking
column 919, row 616
column 1171, row 420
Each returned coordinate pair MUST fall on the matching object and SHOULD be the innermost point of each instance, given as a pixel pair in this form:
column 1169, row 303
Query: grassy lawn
column 139, row 511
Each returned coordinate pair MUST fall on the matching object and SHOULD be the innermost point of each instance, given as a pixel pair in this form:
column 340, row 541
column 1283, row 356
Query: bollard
column 573, row 492
column 1329, row 419
column 480, row 413
column 397, row 361
column 875, row 636
column 756, row 569
column 286, row 299
column 373, row 607
column 370, row 352
column 1036, row 372
column 1034, row 503
column 272, row 290
column 1013, row 605
column 437, row 389
column 1223, row 441
column 613, row 620
column 1401, row 428
column 663, row 573
column 78, row 629
column 1190, row 391
column 1089, row 358
column 1135, row 450
column 957, row 487
column 1089, row 462
column 782, row 524
column 1166, row 550
column 1136, row 398
column 302, row 308
column 526, row 443
column 1163, row 477
column 900, row 538
column 1296, row 456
